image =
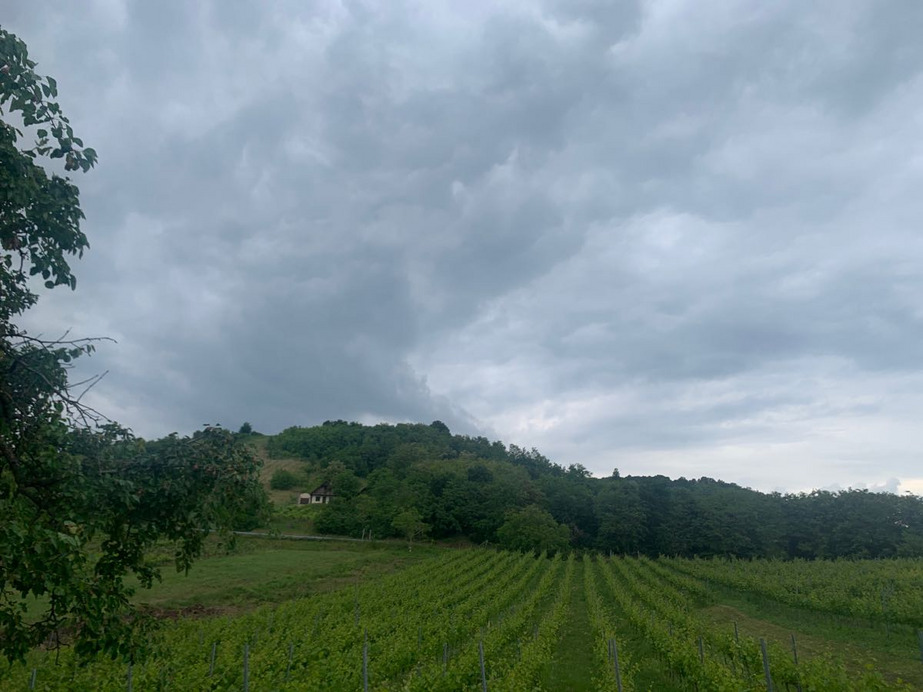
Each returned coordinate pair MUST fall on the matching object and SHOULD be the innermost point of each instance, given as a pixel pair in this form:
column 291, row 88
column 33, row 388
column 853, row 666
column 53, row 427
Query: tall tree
column 410, row 525
column 532, row 528
column 81, row 500
column 620, row 515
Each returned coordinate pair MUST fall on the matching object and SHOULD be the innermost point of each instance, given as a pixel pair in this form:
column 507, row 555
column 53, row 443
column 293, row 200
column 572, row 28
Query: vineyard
column 480, row 619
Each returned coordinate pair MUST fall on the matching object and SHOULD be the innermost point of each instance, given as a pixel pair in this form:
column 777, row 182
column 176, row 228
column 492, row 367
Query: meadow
column 286, row 615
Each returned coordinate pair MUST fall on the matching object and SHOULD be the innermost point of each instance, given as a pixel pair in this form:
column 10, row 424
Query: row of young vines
column 886, row 591
column 663, row 605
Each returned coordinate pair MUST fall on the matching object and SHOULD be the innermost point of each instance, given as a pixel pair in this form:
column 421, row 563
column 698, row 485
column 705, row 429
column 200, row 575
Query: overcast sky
column 674, row 236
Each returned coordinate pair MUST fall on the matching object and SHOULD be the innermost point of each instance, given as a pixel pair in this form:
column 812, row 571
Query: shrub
column 283, row 479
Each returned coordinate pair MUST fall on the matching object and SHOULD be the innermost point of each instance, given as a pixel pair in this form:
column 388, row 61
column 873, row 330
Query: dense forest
column 423, row 480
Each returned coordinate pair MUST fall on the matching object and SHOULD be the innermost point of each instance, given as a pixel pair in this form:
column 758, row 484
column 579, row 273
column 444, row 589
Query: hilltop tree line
column 460, row 486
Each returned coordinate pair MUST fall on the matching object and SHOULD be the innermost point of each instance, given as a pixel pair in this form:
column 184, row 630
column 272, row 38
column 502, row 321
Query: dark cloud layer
column 674, row 237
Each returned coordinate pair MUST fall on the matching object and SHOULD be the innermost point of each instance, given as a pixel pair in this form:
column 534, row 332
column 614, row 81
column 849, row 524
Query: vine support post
column 613, row 647
column 795, row 656
column 766, row 672
column 211, row 663
column 365, row 663
column 246, row 668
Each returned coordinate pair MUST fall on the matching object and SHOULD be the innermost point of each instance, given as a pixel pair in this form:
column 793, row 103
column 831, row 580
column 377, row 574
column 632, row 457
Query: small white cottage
column 321, row 495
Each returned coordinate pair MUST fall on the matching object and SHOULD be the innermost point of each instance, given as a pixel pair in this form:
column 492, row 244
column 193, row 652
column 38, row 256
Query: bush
column 283, row 479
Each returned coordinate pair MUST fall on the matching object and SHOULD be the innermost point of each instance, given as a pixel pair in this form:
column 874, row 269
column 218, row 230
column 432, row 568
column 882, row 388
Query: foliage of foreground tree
column 82, row 501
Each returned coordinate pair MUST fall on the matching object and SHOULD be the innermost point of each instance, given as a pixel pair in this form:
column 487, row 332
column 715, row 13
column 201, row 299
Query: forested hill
column 421, row 479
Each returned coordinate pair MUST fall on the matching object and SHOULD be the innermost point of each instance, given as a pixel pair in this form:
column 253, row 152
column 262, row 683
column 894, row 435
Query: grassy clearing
column 298, row 467
column 280, row 498
column 272, row 571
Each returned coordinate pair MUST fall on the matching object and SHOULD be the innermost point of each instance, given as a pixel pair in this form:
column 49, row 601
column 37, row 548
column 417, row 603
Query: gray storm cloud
column 672, row 237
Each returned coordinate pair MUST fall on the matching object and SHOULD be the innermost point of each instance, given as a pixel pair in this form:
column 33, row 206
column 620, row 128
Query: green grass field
column 264, row 570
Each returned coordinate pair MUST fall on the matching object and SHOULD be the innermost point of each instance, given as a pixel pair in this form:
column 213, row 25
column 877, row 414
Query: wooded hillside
column 460, row 486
